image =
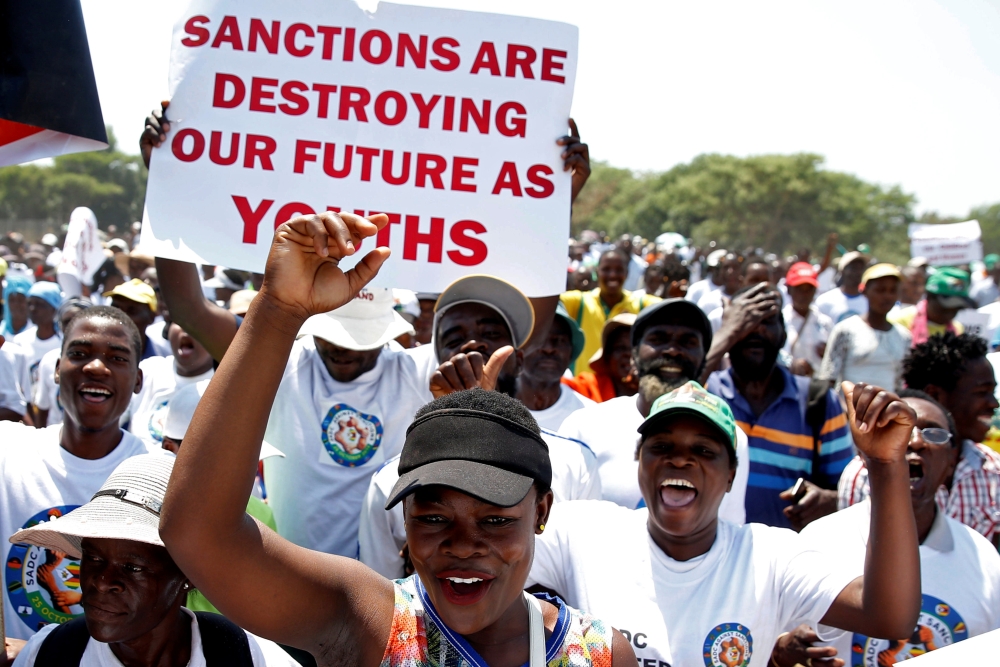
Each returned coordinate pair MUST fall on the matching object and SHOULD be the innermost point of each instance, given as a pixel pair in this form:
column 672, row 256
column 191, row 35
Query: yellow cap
column 3, row 267
column 136, row 290
column 884, row 270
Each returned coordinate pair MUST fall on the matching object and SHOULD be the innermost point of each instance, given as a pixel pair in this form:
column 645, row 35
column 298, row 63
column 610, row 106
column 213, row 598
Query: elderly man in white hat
column 133, row 594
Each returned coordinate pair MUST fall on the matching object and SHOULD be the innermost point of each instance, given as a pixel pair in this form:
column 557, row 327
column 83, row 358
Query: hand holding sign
column 303, row 274
column 576, row 158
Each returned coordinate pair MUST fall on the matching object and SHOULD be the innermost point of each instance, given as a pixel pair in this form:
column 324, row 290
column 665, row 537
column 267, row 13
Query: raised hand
column 155, row 132
column 303, row 274
column 881, row 423
column 465, row 371
column 576, row 157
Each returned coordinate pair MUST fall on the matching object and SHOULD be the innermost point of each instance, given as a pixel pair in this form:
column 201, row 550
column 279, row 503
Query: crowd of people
column 693, row 456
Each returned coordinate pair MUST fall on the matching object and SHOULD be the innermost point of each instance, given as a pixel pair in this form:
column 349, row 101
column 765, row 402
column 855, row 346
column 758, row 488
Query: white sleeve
column 590, row 487
column 552, row 551
column 381, row 534
column 733, row 508
column 266, row 653
column 26, row 658
column 809, row 581
column 10, row 396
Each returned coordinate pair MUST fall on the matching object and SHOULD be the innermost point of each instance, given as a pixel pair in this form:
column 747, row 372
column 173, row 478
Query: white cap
column 50, row 239
column 406, row 302
column 366, row 322
column 181, row 409
column 715, row 257
column 126, row 508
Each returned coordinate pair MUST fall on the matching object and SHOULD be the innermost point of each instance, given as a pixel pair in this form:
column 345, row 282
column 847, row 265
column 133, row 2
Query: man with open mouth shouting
column 692, row 590
column 471, row 521
column 46, row 473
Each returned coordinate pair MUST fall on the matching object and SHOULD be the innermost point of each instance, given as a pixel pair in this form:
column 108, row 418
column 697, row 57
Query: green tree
column 111, row 183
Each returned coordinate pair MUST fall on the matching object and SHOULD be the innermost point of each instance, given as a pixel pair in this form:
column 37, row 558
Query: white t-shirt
column 18, row 360
column 40, row 480
column 568, row 402
column 609, row 430
column 265, row 653
column 753, row 584
column 334, row 436
column 46, row 396
column 959, row 581
column 858, row 353
column 155, row 333
column 382, row 534
column 838, row 306
column 34, row 348
column 700, row 288
column 10, row 393
column 803, row 342
column 712, row 300
column 148, row 409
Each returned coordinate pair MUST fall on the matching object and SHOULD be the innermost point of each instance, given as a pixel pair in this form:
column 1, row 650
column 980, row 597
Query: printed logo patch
column 728, row 645
column 43, row 586
column 157, row 419
column 938, row 625
column 351, row 438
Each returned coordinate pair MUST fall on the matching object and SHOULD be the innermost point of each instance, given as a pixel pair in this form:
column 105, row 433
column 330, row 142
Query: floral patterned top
column 419, row 638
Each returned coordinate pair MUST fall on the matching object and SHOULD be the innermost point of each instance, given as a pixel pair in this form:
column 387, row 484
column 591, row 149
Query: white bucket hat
column 126, row 508
column 181, row 409
column 367, row 322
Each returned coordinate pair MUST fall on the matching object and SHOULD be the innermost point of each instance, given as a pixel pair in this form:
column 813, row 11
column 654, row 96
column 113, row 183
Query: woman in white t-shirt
column 868, row 348
column 959, row 568
column 132, row 591
column 689, row 590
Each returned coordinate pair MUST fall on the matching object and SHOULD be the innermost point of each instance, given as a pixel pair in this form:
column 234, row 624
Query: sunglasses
column 933, row 435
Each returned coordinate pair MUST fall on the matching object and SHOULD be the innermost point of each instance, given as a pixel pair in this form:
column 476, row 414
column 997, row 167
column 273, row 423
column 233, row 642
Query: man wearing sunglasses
column 959, row 568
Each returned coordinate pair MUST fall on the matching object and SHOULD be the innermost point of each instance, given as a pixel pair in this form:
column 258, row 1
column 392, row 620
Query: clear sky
column 900, row 92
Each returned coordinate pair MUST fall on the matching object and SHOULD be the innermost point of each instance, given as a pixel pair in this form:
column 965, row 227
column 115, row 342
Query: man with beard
column 476, row 317
column 788, row 440
column 670, row 342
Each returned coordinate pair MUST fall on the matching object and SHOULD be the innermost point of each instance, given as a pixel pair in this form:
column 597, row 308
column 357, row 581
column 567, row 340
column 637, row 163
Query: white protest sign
column 446, row 120
column 948, row 244
column 971, row 651
column 975, row 323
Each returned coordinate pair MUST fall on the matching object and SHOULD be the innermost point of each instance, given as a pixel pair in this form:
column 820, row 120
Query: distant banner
column 445, row 120
column 48, row 97
column 947, row 245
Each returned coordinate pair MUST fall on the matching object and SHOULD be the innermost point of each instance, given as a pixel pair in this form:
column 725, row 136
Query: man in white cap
column 476, row 316
column 131, row 591
column 712, row 282
column 846, row 300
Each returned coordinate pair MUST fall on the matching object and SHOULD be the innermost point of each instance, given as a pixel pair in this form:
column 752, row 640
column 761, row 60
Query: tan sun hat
column 126, row 508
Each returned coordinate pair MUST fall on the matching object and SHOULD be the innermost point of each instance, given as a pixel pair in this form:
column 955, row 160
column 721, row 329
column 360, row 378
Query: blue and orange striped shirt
column 781, row 444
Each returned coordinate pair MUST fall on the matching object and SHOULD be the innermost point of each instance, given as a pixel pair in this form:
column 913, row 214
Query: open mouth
column 464, row 588
column 93, row 394
column 677, row 492
column 185, row 349
column 916, row 472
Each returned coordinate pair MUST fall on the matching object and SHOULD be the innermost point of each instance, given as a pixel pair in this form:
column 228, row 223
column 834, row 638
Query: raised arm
column 739, row 318
column 209, row 324
column 269, row 586
column 884, row 602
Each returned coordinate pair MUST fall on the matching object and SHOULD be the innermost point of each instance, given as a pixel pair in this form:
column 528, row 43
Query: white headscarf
column 82, row 252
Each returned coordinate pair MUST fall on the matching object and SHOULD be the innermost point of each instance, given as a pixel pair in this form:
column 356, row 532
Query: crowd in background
column 108, row 351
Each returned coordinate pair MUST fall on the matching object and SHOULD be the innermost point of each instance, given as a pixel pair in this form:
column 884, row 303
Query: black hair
column 754, row 259
column 105, row 271
column 615, row 251
column 493, row 402
column 674, row 269
column 113, row 314
column 924, row 396
column 941, row 360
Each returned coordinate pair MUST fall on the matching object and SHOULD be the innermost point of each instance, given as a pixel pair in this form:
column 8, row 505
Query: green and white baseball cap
column 692, row 399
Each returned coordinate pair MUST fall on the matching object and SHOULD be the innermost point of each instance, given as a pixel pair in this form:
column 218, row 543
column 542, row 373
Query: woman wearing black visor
column 474, row 478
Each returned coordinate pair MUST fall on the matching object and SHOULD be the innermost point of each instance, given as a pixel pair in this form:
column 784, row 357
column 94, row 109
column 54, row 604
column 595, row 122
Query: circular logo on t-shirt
column 728, row 645
column 156, row 420
column 938, row 625
column 351, row 437
column 43, row 586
